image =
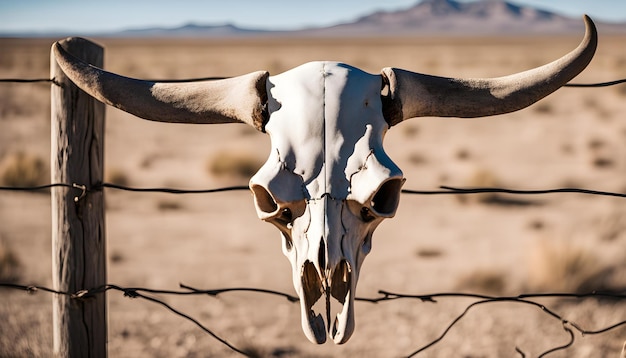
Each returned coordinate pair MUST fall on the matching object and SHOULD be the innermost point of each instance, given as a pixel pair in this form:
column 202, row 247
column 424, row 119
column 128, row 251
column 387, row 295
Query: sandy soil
column 574, row 138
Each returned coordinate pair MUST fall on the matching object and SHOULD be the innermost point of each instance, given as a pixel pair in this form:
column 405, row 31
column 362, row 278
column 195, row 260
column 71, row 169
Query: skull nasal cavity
column 321, row 254
column 385, row 201
column 263, row 199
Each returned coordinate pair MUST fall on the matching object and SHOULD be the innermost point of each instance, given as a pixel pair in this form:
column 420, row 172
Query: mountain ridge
column 450, row 17
column 425, row 18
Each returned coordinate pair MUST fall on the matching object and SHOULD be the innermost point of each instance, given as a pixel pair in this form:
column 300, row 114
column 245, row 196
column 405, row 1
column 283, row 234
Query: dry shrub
column 9, row 264
column 602, row 162
column 463, row 154
column 23, row 170
column 543, row 108
column 481, row 178
column 248, row 131
column 429, row 252
column 488, row 281
column 565, row 267
column 116, row 176
column 117, row 256
column 169, row 205
column 612, row 226
column 600, row 153
column 410, row 130
column 537, row 224
column 417, row 159
column 567, row 148
column 234, row 164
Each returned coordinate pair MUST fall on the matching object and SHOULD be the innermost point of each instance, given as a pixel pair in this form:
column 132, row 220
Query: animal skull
column 328, row 182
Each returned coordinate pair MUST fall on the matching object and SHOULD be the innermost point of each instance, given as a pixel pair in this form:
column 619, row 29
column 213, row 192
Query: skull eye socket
column 385, row 201
column 264, row 200
column 382, row 203
column 280, row 213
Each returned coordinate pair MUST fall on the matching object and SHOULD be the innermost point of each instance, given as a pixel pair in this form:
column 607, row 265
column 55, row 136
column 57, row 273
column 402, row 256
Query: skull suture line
column 327, row 183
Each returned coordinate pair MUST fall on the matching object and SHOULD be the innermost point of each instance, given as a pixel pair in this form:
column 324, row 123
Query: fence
column 79, row 308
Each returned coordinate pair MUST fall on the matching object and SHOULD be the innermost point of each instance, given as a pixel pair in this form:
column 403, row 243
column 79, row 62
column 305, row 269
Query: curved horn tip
column 591, row 32
column 69, row 42
column 407, row 94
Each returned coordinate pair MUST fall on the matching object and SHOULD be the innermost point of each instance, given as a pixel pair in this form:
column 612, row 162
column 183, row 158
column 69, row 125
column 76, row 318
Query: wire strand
column 170, row 190
column 22, row 80
column 525, row 299
column 200, row 79
column 595, row 85
column 445, row 190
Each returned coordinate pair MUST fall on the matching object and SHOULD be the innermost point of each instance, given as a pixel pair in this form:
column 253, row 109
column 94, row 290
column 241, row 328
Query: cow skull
column 328, row 182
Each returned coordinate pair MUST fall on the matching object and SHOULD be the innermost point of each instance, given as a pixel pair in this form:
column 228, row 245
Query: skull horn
column 408, row 94
column 231, row 100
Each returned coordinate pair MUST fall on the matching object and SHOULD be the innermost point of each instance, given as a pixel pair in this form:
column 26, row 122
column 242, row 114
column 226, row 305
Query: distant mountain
column 450, row 17
column 425, row 18
column 190, row 30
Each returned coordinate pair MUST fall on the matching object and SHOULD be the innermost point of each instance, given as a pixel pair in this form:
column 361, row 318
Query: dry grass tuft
column 537, row 224
column 117, row 256
column 601, row 153
column 543, row 108
column 23, row 170
column 488, row 281
column 410, row 130
column 24, row 333
column 169, row 205
column 10, row 266
column 429, row 252
column 463, row 154
column 234, row 164
column 417, row 159
column 116, row 176
column 565, row 267
column 481, row 178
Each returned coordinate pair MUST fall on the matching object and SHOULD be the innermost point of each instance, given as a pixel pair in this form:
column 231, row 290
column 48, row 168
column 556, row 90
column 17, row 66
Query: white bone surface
column 326, row 163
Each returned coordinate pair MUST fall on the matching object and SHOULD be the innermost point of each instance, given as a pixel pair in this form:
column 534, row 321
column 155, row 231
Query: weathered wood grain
column 78, row 238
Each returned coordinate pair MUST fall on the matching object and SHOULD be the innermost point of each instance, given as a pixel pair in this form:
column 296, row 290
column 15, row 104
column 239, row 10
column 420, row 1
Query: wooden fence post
column 78, row 240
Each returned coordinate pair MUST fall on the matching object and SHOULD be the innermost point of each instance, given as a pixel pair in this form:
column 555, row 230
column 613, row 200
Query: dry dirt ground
column 479, row 244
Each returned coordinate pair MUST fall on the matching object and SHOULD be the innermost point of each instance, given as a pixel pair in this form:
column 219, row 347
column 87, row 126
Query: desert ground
column 504, row 245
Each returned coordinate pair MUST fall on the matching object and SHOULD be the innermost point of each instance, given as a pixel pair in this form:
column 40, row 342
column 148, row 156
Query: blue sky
column 85, row 16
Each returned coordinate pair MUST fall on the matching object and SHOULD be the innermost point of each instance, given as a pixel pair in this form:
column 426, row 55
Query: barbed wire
column 171, row 190
column 525, row 299
column 595, row 85
column 23, row 80
column 200, row 79
column 445, row 190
